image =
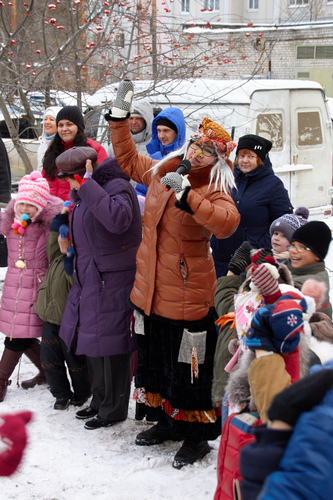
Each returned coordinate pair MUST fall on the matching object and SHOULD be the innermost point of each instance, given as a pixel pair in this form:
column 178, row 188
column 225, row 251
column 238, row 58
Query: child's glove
column 259, row 335
column 258, row 256
column 123, row 103
column 302, row 396
column 13, row 435
column 265, row 280
column 241, row 259
column 176, row 181
column 63, row 231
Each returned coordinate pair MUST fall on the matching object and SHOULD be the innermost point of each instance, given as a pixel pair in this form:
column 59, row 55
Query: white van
column 293, row 114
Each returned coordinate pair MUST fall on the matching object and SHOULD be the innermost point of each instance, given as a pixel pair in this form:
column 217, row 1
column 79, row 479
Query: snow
column 65, row 461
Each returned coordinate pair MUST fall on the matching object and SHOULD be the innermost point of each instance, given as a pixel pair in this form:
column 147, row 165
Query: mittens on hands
column 302, row 396
column 123, row 102
column 259, row 335
column 241, row 259
column 265, row 280
column 176, row 181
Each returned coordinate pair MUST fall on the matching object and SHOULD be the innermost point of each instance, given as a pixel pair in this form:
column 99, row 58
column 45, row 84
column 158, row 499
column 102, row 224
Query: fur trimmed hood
column 41, row 222
column 238, row 387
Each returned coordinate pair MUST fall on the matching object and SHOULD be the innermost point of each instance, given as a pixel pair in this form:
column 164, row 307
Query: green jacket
column 53, row 292
column 315, row 271
column 226, row 289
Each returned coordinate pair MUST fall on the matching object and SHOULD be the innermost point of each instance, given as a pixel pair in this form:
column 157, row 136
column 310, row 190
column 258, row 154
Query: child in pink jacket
column 25, row 223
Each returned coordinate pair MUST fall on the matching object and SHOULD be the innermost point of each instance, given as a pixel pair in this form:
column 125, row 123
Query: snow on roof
column 199, row 90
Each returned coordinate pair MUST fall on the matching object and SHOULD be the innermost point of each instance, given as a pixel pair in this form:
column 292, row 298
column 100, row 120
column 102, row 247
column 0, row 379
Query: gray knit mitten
column 176, row 181
column 123, row 102
column 241, row 259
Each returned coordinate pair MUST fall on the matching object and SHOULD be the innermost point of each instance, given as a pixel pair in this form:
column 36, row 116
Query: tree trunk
column 15, row 137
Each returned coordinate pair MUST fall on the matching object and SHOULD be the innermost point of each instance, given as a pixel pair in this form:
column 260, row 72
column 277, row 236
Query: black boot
column 7, row 365
column 33, row 354
column 160, row 432
column 190, row 452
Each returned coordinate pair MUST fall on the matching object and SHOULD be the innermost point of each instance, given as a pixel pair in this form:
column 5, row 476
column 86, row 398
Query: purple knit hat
column 288, row 223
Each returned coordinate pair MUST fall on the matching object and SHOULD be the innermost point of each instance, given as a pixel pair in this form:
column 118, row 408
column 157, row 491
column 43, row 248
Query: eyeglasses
column 298, row 249
column 207, row 150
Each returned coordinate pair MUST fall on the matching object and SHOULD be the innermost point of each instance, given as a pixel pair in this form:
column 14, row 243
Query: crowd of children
column 71, row 269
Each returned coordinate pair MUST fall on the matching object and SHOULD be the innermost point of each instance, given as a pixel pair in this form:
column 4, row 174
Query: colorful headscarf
column 212, row 133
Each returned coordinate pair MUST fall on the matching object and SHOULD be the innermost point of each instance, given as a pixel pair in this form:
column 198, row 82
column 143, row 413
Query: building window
column 315, row 52
column 253, row 4
column 212, row 4
column 185, row 6
column 298, row 2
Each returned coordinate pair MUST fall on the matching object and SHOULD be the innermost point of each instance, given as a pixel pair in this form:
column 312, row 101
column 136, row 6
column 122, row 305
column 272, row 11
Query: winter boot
column 162, row 431
column 33, row 354
column 190, row 452
column 7, row 365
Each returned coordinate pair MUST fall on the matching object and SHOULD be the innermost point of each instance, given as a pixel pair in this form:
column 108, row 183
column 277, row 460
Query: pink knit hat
column 33, row 189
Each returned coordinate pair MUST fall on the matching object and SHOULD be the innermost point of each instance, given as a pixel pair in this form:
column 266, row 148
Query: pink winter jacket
column 17, row 314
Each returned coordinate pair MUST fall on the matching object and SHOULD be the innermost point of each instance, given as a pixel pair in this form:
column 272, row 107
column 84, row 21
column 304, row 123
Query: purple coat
column 106, row 232
column 17, row 314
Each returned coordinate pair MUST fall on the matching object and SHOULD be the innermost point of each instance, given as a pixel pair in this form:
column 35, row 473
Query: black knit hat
column 316, row 235
column 259, row 145
column 166, row 123
column 73, row 114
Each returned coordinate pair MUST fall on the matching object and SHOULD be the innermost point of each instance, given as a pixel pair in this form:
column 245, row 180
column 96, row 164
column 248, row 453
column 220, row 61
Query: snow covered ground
column 64, row 461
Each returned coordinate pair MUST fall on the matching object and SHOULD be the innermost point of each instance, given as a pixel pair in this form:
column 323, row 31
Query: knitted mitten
column 241, row 259
column 265, row 280
column 301, row 396
column 123, row 102
column 258, row 256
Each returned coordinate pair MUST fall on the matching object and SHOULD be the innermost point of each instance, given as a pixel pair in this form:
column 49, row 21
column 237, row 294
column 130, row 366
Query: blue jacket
column 155, row 148
column 260, row 198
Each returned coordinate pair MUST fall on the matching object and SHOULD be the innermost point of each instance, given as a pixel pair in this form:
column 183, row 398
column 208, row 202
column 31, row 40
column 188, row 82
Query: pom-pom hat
column 33, row 189
column 316, row 235
column 255, row 143
column 212, row 133
column 73, row 161
column 288, row 223
column 72, row 114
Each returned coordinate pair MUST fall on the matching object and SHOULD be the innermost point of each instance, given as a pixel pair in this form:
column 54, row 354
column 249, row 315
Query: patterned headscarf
column 213, row 134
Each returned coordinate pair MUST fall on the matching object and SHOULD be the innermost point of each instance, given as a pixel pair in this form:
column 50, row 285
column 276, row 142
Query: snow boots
column 33, row 353
column 7, row 365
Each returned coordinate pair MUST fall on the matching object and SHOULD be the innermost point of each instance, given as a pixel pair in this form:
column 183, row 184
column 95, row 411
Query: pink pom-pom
column 15, row 225
column 35, row 175
column 315, row 289
column 21, row 230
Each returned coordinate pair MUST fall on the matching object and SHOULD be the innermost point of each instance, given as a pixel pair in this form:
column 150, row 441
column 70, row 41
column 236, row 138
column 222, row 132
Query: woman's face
column 201, row 155
column 50, row 125
column 247, row 160
column 67, row 130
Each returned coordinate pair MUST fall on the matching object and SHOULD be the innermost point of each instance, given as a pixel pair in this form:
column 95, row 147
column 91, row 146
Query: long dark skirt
column 175, row 370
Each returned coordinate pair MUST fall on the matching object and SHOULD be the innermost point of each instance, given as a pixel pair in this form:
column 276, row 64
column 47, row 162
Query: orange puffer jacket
column 175, row 275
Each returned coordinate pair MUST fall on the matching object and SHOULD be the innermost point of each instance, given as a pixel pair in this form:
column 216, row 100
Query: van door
column 311, row 149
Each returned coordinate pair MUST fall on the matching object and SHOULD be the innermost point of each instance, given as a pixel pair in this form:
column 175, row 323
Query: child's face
column 300, row 255
column 279, row 242
column 26, row 208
